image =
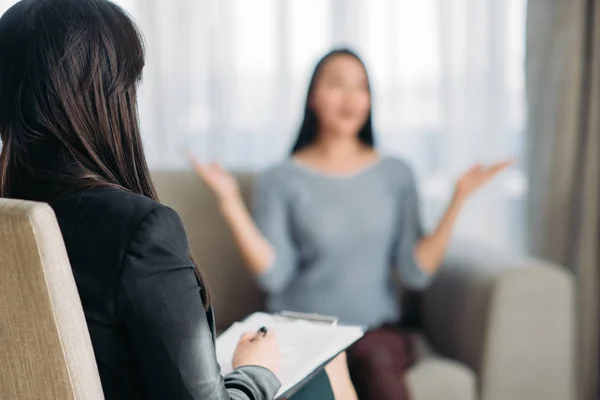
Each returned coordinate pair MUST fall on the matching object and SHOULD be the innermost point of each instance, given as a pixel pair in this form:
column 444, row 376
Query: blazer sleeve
column 165, row 323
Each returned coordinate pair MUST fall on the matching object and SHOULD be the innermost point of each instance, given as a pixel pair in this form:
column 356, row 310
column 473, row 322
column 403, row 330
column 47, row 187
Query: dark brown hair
column 310, row 125
column 69, row 71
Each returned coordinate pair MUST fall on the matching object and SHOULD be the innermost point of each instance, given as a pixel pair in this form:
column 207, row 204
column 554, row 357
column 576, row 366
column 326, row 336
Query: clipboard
column 303, row 366
column 317, row 319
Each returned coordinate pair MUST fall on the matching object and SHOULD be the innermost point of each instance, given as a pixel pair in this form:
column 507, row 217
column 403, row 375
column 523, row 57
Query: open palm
column 478, row 176
column 220, row 182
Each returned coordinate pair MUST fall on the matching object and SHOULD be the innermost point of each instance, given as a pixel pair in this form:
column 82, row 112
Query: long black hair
column 69, row 71
column 309, row 128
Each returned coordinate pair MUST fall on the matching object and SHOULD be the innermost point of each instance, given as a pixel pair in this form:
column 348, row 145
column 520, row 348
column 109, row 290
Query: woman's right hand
column 259, row 350
column 257, row 252
column 223, row 185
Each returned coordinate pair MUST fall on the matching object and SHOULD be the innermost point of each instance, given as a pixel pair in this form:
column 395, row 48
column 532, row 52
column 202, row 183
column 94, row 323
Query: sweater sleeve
column 409, row 231
column 271, row 214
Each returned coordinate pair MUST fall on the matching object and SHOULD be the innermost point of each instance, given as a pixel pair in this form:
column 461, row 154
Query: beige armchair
column 495, row 326
column 45, row 348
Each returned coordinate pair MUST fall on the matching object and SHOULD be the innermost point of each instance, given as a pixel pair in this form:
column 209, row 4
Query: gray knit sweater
column 338, row 239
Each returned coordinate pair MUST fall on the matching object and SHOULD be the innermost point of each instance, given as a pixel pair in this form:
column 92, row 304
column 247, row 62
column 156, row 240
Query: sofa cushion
column 235, row 294
column 436, row 378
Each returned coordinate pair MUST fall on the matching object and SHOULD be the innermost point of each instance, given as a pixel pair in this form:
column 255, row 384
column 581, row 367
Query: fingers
column 247, row 336
column 204, row 170
column 481, row 172
column 495, row 169
column 477, row 168
column 270, row 335
column 473, row 173
column 474, row 170
column 198, row 166
column 507, row 163
column 201, row 165
column 254, row 336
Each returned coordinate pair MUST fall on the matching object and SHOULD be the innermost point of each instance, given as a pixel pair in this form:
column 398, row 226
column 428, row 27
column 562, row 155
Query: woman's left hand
column 430, row 250
column 476, row 177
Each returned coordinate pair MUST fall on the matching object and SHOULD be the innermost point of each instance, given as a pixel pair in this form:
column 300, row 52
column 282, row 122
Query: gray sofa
column 494, row 326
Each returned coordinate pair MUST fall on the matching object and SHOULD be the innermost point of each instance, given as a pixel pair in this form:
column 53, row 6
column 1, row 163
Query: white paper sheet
column 304, row 345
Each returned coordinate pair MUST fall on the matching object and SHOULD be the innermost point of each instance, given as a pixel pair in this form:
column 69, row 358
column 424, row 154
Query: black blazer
column 151, row 336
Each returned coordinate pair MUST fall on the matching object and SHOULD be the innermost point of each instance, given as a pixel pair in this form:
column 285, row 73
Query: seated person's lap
column 378, row 362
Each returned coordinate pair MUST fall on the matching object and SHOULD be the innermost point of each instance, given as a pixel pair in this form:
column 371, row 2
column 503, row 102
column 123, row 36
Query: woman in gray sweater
column 332, row 223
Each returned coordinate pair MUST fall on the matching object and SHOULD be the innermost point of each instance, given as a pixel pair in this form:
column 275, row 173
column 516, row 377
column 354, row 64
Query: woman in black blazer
column 68, row 123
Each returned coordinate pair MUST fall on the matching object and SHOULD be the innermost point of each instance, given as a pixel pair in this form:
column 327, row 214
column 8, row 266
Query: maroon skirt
column 378, row 363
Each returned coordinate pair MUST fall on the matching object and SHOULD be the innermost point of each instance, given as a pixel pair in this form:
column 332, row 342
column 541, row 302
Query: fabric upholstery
column 501, row 326
column 45, row 349
column 509, row 319
column 438, row 378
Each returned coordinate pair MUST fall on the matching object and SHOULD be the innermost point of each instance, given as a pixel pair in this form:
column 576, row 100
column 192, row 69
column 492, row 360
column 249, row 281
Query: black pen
column 262, row 330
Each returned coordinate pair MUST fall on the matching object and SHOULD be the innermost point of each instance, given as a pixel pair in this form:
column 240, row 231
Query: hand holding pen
column 261, row 332
column 259, row 349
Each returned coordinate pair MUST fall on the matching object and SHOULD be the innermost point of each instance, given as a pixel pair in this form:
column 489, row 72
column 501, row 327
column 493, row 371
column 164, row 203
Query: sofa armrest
column 511, row 319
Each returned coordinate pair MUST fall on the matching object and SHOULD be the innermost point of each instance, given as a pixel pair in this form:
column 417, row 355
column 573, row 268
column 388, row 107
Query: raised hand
column 221, row 183
column 476, row 177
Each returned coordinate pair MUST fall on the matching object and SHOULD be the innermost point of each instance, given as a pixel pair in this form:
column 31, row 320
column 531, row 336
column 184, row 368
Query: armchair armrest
column 511, row 319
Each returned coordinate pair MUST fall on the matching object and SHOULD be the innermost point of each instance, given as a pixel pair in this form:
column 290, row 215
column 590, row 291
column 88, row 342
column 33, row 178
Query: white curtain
column 228, row 78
